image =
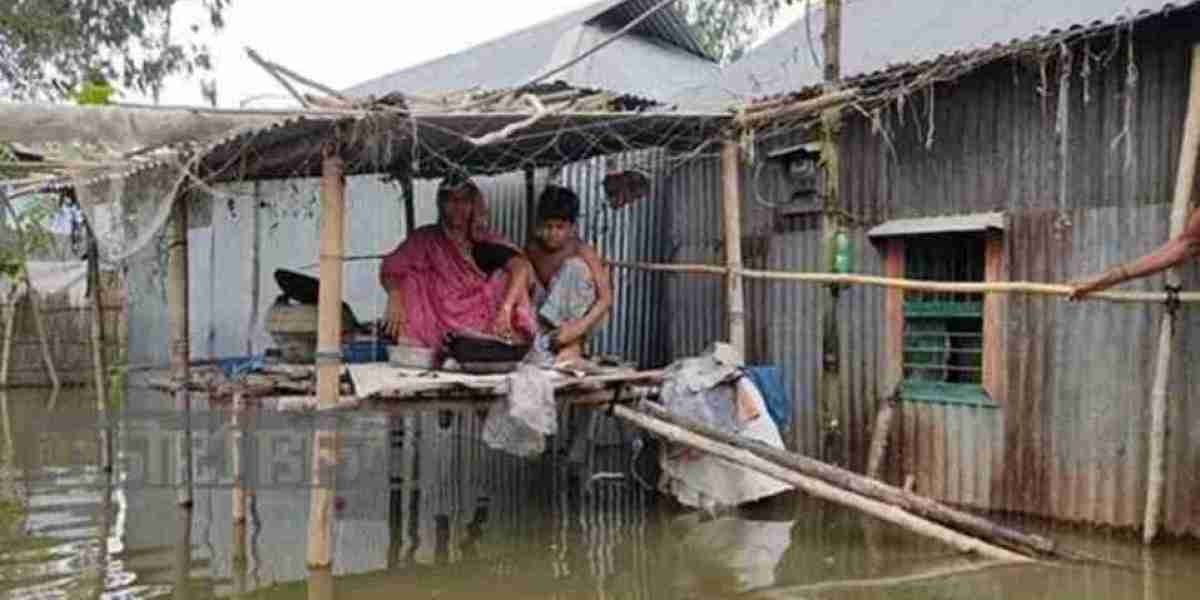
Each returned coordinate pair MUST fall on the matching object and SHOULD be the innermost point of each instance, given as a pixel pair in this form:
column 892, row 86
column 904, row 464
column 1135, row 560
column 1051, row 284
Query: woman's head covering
column 480, row 225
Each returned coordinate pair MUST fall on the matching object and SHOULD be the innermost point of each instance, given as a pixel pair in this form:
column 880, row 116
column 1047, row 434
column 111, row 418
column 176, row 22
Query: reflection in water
column 447, row 517
column 321, row 584
column 183, row 554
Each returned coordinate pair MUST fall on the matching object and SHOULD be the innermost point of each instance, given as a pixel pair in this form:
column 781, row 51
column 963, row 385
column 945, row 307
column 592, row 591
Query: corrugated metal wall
column 1069, row 441
column 1070, row 438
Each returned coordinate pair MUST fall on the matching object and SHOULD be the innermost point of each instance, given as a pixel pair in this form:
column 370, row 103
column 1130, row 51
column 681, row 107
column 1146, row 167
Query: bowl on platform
column 411, row 354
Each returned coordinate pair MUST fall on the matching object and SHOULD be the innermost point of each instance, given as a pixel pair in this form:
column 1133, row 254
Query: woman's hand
column 502, row 324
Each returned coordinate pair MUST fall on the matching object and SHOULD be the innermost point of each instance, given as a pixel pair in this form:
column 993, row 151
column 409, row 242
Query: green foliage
column 726, row 28
column 94, row 92
column 63, row 49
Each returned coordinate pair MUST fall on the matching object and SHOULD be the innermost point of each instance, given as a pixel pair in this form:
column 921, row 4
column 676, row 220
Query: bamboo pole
column 106, row 509
column 238, row 458
column 1185, row 178
column 321, row 585
column 530, row 203
column 177, row 323
column 182, row 565
column 754, row 118
column 6, row 355
column 97, row 333
column 866, row 487
column 240, row 558
column 816, row 487
column 994, row 287
column 731, row 199
column 410, row 207
column 329, row 333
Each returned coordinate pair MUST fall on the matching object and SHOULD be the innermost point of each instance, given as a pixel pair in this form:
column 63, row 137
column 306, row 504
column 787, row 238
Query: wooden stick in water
column 864, row 486
column 817, row 488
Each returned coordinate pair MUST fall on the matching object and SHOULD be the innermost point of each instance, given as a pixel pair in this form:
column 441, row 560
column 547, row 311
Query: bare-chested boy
column 571, row 288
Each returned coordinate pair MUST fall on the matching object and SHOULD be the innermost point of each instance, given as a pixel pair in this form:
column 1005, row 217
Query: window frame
column 992, row 391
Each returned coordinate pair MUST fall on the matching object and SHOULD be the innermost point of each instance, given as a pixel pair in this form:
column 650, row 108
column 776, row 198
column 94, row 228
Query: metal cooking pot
column 480, row 352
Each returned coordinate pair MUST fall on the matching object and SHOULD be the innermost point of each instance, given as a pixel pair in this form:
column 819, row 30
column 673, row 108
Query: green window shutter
column 943, row 333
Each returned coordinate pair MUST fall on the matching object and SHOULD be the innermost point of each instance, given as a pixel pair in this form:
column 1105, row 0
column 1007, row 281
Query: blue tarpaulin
column 769, row 381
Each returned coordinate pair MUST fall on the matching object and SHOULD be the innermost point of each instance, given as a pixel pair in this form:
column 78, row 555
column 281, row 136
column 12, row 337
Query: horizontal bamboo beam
column 753, row 118
column 991, row 287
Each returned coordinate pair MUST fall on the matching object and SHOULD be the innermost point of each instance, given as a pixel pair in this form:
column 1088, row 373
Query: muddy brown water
column 425, row 510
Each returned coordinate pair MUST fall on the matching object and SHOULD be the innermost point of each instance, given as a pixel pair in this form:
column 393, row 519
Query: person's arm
column 1178, row 249
column 572, row 331
column 395, row 318
column 392, row 272
column 519, row 270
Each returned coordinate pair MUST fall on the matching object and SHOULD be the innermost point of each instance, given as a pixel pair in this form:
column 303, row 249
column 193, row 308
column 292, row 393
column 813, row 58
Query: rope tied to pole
column 1172, row 301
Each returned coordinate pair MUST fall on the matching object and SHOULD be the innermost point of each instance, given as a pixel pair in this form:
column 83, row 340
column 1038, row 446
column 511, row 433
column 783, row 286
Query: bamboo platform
column 293, row 387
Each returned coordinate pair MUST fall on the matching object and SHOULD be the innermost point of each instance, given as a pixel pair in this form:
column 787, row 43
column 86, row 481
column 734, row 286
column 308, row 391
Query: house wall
column 1069, row 439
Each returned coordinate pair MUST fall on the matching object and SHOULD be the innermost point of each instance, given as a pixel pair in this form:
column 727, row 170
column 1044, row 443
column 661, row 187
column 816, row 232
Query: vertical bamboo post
column 238, row 458
column 106, row 513
column 830, row 375
column 10, row 320
column 321, row 585
column 329, row 333
column 731, row 200
column 1185, row 178
column 93, row 271
column 530, row 204
column 177, row 323
column 240, row 560
column 182, row 565
column 410, row 209
column 832, row 40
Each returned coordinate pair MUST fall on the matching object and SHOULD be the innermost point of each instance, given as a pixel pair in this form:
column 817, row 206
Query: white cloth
column 704, row 481
column 519, row 423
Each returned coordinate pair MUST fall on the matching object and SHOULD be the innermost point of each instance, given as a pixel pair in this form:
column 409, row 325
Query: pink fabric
column 445, row 291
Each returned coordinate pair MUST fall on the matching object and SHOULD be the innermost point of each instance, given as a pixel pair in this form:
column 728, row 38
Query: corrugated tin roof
column 662, row 42
column 666, row 25
column 882, row 34
column 946, row 224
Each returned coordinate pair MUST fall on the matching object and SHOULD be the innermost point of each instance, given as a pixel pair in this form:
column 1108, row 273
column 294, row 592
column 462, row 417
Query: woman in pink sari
column 457, row 275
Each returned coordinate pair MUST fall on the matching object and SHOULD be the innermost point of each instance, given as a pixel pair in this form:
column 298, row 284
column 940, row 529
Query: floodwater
column 424, row 510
